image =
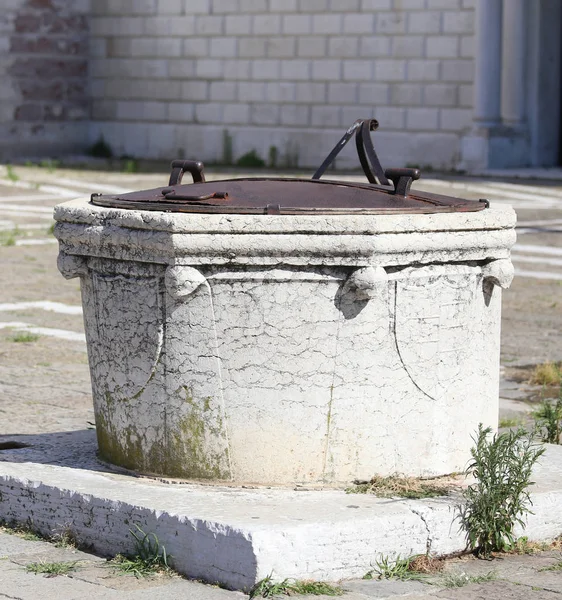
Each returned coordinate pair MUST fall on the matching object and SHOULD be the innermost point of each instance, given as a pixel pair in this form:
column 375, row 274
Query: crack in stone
column 426, row 525
column 220, row 376
column 397, row 347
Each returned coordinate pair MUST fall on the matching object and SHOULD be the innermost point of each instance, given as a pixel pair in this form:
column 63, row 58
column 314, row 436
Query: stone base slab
column 235, row 535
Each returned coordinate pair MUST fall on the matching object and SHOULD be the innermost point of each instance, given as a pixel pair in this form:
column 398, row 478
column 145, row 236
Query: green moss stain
column 184, row 453
column 190, row 440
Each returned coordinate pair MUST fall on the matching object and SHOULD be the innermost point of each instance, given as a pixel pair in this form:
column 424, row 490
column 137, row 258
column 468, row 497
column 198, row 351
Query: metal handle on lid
column 402, row 179
column 179, row 167
column 367, row 156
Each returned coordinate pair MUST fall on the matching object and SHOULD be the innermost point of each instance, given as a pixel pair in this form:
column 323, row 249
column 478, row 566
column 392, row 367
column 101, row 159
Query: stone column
column 487, row 75
column 514, row 52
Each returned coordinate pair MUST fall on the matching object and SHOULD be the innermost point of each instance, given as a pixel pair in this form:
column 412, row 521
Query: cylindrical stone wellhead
column 277, row 349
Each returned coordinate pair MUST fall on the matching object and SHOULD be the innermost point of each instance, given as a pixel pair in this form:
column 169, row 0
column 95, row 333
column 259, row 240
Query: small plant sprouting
column 51, row 569
column 101, row 149
column 25, row 531
column 267, row 588
column 548, row 419
column 131, row 165
column 496, row 503
column 10, row 173
column 251, row 160
column 455, row 580
column 522, row 545
column 557, row 566
column 505, row 423
column 65, row 538
column 549, row 373
column 150, row 556
column 25, row 337
column 403, row 568
column 50, row 164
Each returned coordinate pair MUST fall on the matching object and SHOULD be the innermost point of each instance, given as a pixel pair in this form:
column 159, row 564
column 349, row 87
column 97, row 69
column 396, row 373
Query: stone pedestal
column 289, row 349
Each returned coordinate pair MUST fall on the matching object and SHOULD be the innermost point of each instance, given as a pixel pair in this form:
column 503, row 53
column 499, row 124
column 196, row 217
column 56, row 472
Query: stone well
column 282, row 331
column 277, row 349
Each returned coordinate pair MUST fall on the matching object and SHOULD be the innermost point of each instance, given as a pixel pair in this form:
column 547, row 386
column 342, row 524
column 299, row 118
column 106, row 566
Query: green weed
column 65, row 538
column 548, row 419
column 522, row 545
column 51, row 569
column 100, row 149
column 549, row 373
column 455, row 580
column 24, row 531
column 25, row 336
column 131, row 165
column 50, row 164
column 504, row 423
column 7, row 238
column 250, row 160
column 10, row 173
column 496, row 503
column 267, row 588
column 150, row 557
column 395, row 568
column 555, row 567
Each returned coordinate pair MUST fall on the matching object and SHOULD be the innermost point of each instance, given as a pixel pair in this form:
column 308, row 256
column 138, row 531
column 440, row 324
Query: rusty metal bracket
column 179, row 167
column 402, row 180
column 367, row 156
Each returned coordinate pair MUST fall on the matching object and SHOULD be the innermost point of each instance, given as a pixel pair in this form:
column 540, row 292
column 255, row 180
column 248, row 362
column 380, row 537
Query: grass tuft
column 25, row 336
column 150, row 557
column 456, row 580
column 405, row 568
column 11, row 174
column 24, row 531
column 548, row 419
column 557, row 566
column 267, row 588
column 549, row 373
column 51, row 569
column 65, row 538
column 505, row 423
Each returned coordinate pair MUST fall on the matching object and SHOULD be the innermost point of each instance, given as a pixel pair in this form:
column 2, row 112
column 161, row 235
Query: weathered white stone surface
column 282, row 349
column 237, row 536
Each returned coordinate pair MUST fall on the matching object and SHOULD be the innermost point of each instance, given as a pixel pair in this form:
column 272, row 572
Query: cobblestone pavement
column 509, row 577
column 45, row 387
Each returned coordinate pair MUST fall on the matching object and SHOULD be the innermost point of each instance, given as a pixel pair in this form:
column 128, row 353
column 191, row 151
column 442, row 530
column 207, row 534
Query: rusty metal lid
column 290, row 196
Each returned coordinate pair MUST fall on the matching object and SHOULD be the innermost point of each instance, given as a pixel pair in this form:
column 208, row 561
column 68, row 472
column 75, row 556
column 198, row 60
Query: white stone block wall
column 290, row 74
column 214, row 79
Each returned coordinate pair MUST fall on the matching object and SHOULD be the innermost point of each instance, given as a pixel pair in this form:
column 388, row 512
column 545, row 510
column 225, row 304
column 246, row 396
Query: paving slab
column 235, row 535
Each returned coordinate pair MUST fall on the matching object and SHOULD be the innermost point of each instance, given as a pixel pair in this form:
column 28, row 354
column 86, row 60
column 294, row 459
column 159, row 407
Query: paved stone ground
column 45, row 387
column 508, row 577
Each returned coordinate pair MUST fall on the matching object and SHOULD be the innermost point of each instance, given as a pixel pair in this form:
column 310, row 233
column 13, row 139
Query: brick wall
column 174, row 78
column 44, row 97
